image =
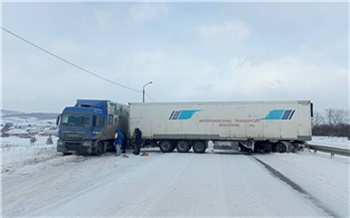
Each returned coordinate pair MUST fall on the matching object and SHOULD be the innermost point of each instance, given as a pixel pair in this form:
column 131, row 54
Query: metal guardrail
column 332, row 150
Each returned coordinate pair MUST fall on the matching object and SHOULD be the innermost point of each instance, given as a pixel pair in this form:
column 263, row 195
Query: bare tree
column 317, row 119
column 336, row 116
column 342, row 117
column 334, row 122
column 329, row 116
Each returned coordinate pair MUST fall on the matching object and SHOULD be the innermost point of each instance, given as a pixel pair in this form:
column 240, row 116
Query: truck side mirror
column 58, row 119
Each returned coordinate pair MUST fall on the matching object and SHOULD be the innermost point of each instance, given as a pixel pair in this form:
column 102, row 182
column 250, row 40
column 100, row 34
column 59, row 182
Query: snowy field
column 340, row 142
column 18, row 152
column 38, row 181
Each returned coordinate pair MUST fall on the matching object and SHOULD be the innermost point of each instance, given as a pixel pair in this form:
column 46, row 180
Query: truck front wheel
column 166, row 146
column 199, row 147
column 99, row 148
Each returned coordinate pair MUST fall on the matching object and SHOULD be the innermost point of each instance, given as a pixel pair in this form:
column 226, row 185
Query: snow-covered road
column 175, row 184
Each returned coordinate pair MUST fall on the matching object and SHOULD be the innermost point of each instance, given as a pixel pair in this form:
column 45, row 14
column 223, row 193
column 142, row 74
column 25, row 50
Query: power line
column 150, row 97
column 68, row 62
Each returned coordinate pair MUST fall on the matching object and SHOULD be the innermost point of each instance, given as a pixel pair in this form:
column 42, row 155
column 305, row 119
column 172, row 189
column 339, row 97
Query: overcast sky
column 191, row 51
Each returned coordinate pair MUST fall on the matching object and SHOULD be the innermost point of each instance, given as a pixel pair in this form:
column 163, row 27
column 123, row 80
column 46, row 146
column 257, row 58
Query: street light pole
column 143, row 91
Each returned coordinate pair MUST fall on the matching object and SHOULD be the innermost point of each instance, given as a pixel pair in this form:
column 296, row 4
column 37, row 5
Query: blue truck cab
column 89, row 126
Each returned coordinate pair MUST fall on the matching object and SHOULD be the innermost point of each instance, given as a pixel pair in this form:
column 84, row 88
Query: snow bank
column 20, row 153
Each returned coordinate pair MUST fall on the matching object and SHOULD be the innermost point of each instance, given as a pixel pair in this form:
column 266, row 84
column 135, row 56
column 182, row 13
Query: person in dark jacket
column 118, row 140
column 138, row 141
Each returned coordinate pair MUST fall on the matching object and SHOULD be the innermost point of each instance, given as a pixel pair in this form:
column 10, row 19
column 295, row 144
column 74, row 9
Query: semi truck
column 89, row 126
column 280, row 126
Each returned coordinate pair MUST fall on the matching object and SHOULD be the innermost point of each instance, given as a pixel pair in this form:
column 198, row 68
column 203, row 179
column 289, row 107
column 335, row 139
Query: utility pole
column 143, row 91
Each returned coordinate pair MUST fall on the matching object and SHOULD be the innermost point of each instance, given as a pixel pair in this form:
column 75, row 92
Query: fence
column 332, row 150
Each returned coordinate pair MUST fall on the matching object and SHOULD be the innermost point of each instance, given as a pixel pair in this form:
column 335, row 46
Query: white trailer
column 259, row 125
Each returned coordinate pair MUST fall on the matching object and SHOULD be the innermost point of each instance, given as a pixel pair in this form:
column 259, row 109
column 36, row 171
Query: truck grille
column 73, row 136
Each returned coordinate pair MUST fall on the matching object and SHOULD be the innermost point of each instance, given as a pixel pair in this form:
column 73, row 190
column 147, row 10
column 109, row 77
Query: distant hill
column 38, row 116
column 8, row 112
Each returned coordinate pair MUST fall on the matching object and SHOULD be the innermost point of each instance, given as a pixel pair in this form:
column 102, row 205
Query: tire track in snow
column 296, row 187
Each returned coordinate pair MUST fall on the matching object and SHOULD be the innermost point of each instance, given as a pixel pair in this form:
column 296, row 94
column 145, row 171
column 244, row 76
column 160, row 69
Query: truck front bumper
column 74, row 147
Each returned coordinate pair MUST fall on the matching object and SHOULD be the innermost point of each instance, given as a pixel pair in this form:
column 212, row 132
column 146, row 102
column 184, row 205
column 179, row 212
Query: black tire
column 99, row 148
column 183, row 146
column 67, row 153
column 199, row 147
column 280, row 147
column 166, row 146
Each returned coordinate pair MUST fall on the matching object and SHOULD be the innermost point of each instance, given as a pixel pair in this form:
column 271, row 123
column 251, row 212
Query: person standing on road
column 118, row 140
column 138, row 140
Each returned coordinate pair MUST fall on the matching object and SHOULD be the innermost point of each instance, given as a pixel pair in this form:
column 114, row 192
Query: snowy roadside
column 321, row 176
column 20, row 157
column 18, row 153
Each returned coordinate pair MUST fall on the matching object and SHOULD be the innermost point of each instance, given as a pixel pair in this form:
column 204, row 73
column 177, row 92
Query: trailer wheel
column 166, row 146
column 183, row 146
column 280, row 147
column 199, row 147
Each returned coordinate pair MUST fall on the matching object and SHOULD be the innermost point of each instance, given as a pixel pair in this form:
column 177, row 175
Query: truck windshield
column 75, row 120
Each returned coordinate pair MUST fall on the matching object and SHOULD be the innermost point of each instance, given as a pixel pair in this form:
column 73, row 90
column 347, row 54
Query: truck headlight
column 59, row 142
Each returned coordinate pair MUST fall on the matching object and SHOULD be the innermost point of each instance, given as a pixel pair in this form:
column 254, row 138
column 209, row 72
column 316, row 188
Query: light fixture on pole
column 143, row 91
